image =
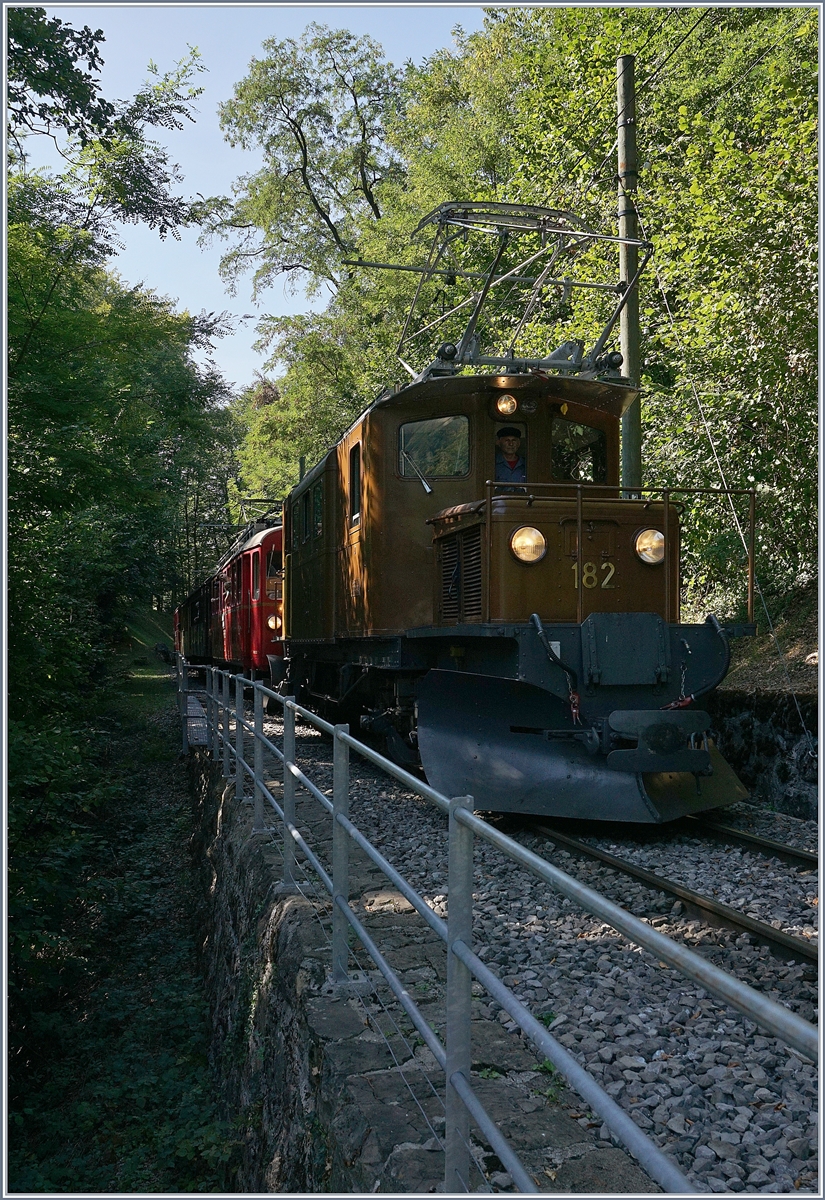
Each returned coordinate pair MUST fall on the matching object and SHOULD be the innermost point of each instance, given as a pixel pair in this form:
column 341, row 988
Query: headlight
column 273, row 621
column 528, row 544
column 507, row 405
column 650, row 545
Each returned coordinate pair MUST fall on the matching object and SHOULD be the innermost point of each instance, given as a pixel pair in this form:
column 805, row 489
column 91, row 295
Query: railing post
column 459, row 998
column 340, row 854
column 215, row 723
column 579, row 558
column 666, row 531
column 183, row 681
column 258, row 761
column 751, row 551
column 240, row 773
column 289, row 790
column 225, row 696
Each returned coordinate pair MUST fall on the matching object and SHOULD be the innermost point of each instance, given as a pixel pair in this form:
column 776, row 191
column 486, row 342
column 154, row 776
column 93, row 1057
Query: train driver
column 510, row 464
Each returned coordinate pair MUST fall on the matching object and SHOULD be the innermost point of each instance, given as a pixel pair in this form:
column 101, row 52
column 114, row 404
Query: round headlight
column 506, row 405
column 650, row 545
column 528, row 544
column 273, row 621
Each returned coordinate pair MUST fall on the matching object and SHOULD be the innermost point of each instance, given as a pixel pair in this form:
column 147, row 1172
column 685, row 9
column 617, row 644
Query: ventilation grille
column 450, row 579
column 471, row 574
column 461, row 583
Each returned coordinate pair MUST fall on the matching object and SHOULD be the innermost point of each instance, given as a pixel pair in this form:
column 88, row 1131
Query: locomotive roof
column 606, row 396
column 612, row 397
column 258, row 538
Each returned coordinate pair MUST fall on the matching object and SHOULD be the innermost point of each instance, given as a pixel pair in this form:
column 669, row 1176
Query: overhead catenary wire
column 708, row 107
column 608, row 90
column 723, row 477
column 642, row 87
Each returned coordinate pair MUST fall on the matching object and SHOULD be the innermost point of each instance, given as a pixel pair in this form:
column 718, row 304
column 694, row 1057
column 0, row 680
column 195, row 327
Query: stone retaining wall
column 325, row 1092
column 762, row 738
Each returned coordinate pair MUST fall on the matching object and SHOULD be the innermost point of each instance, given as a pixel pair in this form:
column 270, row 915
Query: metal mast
column 628, row 265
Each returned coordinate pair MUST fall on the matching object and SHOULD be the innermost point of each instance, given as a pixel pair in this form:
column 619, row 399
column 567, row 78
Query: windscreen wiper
column 426, row 486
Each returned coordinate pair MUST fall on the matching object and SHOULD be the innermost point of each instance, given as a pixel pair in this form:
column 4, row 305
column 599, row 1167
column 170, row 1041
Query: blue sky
column 228, row 36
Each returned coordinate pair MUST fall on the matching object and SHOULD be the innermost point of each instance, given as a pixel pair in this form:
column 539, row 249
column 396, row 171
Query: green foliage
column 110, row 1088
column 109, row 418
column 111, row 422
column 46, row 87
column 316, row 108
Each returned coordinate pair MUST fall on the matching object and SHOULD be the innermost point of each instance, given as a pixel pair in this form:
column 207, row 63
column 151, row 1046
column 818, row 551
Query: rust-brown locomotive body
column 523, row 637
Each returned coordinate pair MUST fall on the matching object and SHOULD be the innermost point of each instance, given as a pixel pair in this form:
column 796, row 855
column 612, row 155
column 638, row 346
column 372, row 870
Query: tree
column 47, row 89
column 317, row 108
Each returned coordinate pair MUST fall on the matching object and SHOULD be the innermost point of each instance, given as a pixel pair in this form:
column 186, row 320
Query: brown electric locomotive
column 466, row 575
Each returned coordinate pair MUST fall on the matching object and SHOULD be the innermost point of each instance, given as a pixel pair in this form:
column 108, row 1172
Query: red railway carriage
column 234, row 618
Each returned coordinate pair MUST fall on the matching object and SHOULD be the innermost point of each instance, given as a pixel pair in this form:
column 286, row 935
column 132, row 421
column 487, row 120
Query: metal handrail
column 463, row 964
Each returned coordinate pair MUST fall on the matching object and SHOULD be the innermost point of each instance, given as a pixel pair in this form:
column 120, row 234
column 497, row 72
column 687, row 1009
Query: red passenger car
column 234, row 619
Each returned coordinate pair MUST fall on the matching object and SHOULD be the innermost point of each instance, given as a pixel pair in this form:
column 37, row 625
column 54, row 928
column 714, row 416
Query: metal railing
column 462, row 964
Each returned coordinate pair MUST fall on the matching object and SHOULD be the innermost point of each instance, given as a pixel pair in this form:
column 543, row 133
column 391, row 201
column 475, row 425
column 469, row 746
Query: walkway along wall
column 323, row 1100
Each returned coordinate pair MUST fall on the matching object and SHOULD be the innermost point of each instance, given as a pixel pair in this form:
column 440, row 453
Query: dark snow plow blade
column 486, row 737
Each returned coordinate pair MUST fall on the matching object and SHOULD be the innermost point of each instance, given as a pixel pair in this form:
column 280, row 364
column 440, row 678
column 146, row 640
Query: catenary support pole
column 628, row 266
column 459, row 1000
column 340, row 854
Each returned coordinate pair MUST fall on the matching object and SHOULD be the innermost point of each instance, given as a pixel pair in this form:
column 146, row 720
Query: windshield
column 579, row 452
column 438, row 447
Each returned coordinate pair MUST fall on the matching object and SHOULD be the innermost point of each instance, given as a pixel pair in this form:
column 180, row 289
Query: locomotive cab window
column 438, row 448
column 256, row 576
column 579, row 452
column 355, row 485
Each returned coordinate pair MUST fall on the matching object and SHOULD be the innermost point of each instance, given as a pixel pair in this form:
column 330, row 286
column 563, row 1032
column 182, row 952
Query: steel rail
column 785, row 945
column 751, row 841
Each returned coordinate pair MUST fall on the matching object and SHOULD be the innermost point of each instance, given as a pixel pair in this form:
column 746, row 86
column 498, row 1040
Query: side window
column 296, row 533
column 579, row 452
column 256, row 575
column 273, row 574
column 355, row 484
column 439, row 447
column 306, row 526
column 318, row 510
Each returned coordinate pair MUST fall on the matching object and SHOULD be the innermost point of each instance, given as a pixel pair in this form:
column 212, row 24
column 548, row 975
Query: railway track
column 783, row 945
column 749, row 841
